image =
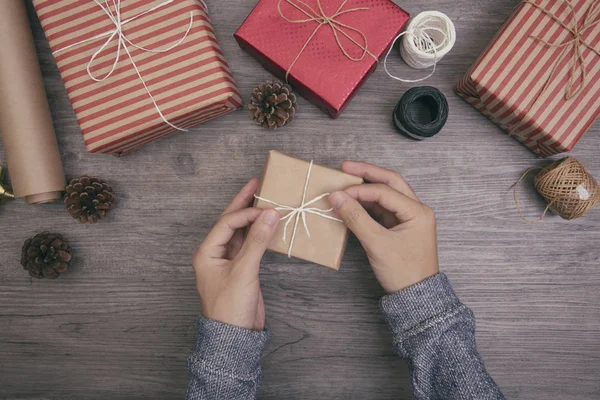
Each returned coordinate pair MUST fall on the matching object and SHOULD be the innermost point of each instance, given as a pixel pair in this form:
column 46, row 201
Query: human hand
column 227, row 264
column 402, row 247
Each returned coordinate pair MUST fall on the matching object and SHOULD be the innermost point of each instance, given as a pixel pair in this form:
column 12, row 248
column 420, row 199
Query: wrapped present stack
column 137, row 70
column 324, row 49
column 540, row 77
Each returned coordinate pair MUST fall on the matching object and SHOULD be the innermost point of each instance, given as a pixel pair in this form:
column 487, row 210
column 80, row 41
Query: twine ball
column 421, row 113
column 429, row 37
column 568, row 188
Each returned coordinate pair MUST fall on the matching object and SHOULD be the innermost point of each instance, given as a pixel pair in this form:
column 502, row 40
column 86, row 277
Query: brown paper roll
column 25, row 122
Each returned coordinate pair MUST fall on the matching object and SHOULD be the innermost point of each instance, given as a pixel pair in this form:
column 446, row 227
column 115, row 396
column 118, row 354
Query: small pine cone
column 46, row 255
column 272, row 104
column 88, row 199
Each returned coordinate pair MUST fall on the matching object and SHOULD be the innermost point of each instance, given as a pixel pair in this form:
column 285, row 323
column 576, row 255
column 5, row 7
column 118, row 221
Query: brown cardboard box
column 284, row 181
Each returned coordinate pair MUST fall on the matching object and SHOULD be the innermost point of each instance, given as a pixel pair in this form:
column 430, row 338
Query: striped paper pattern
column 507, row 82
column 191, row 83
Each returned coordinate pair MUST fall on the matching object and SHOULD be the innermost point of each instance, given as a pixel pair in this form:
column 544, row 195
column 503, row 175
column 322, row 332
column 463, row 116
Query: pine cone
column 272, row 104
column 88, row 199
column 46, row 255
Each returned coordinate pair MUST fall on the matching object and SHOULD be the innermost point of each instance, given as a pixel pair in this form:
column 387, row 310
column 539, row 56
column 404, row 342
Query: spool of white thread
column 427, row 39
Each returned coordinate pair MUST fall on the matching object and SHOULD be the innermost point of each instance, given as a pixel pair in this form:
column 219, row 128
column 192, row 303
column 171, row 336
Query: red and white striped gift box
column 188, row 84
column 522, row 80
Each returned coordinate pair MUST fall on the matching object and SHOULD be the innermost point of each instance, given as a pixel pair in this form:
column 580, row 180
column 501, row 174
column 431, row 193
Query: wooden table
column 120, row 323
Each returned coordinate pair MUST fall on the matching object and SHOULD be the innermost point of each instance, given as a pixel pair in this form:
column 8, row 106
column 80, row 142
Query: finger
column 385, row 217
column 381, row 215
column 375, row 174
column 244, row 198
column 227, row 226
column 235, row 244
column 403, row 207
column 374, row 208
column 258, row 238
column 355, row 217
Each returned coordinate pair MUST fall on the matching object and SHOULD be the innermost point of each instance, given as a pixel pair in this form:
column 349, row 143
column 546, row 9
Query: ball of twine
column 568, row 188
column 431, row 35
column 411, row 125
column 427, row 39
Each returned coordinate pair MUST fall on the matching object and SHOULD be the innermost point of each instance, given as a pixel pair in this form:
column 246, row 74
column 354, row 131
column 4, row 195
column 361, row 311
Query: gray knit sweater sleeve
column 435, row 333
column 432, row 329
column 226, row 363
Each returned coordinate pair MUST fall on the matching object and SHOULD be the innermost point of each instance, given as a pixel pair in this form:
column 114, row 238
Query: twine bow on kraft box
column 309, row 228
column 540, row 77
column 137, row 70
column 324, row 49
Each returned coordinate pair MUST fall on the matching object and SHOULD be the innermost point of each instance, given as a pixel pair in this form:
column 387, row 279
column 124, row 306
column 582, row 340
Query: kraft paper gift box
column 165, row 72
column 287, row 184
column 324, row 63
column 531, row 80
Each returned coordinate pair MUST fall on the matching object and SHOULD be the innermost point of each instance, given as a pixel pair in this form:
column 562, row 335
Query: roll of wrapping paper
column 26, row 127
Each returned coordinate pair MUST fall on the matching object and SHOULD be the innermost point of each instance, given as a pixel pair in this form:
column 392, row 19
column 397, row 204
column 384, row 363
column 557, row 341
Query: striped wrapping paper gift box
column 522, row 81
column 189, row 83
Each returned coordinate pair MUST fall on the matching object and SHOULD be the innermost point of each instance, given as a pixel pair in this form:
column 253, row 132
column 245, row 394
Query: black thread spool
column 421, row 113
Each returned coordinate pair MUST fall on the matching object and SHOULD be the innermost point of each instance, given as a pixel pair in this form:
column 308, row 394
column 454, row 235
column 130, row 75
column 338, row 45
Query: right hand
column 402, row 246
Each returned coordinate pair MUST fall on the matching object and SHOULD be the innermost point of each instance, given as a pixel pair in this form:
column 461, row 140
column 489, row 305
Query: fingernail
column 270, row 217
column 337, row 199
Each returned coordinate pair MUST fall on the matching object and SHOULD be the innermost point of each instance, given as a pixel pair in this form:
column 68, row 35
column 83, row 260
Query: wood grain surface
column 120, row 323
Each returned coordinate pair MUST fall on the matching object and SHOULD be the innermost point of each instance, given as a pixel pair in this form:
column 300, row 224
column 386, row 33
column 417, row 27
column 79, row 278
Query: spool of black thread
column 421, row 113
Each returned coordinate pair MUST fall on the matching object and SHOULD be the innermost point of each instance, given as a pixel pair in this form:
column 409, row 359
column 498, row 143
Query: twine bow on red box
column 576, row 43
column 322, row 19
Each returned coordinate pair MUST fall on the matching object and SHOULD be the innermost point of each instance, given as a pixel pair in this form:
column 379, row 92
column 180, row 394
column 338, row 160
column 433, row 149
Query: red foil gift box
column 539, row 79
column 324, row 49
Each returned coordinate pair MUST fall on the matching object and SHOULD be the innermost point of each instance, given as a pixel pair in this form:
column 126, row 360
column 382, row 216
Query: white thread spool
column 428, row 38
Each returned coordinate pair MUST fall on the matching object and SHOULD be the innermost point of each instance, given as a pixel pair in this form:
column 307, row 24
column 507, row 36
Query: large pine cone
column 46, row 255
column 272, row 104
column 88, row 199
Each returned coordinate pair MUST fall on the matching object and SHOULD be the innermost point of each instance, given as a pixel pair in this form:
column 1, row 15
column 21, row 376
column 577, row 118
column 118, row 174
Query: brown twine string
column 577, row 43
column 322, row 19
column 568, row 188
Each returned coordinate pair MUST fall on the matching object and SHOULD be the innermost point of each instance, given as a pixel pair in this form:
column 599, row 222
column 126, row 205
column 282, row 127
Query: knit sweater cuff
column 414, row 306
column 229, row 349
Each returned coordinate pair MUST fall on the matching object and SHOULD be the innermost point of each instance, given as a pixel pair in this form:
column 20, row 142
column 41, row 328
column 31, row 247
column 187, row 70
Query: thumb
column 356, row 218
column 258, row 238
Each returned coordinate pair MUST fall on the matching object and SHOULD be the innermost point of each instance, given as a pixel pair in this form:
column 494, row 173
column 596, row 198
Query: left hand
column 227, row 264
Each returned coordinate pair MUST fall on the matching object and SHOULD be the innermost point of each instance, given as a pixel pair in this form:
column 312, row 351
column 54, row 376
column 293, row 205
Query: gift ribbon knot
column 114, row 14
column 296, row 213
column 322, row 19
column 576, row 44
